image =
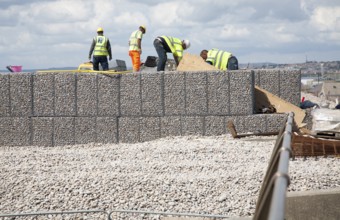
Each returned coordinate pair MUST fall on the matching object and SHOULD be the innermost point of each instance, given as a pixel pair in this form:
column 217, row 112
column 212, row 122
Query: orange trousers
column 135, row 58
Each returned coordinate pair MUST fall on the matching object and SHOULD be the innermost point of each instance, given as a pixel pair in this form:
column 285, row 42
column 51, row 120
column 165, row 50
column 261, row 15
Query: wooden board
column 265, row 98
column 306, row 145
column 191, row 62
column 233, row 132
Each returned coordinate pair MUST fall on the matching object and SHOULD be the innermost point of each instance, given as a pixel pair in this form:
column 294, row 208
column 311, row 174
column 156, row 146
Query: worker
column 166, row 44
column 135, row 47
column 220, row 59
column 101, row 48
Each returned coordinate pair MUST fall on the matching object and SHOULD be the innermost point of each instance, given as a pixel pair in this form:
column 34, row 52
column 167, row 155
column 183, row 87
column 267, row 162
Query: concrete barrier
column 48, row 109
column 313, row 205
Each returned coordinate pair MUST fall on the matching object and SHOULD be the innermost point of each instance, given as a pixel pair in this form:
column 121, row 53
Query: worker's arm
column 176, row 58
column 92, row 48
column 139, row 42
column 108, row 47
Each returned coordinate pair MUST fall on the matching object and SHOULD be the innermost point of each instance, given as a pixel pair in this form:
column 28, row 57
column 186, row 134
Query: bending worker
column 220, row 59
column 101, row 48
column 135, row 47
column 165, row 44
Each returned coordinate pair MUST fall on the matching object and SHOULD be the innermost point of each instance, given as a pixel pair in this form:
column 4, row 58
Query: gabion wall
column 284, row 83
column 50, row 109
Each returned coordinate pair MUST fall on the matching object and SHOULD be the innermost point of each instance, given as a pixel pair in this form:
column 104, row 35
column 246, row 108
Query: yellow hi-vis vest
column 134, row 40
column 218, row 58
column 175, row 46
column 100, row 48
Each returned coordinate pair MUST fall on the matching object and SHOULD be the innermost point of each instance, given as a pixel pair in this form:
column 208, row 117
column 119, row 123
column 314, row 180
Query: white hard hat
column 187, row 43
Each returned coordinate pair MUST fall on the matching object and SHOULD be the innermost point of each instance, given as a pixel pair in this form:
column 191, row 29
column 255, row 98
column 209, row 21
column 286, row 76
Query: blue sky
column 58, row 33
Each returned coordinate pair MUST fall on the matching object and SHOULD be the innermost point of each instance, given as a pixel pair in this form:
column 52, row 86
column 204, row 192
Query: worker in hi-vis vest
column 135, row 47
column 165, row 44
column 222, row 60
column 100, row 48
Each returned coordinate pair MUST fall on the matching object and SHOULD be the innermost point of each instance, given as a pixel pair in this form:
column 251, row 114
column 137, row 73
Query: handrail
column 109, row 213
column 55, row 213
column 169, row 213
column 271, row 201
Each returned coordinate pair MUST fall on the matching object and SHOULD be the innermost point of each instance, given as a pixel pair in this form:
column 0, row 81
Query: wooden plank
column 232, row 129
column 263, row 98
column 233, row 132
column 306, row 145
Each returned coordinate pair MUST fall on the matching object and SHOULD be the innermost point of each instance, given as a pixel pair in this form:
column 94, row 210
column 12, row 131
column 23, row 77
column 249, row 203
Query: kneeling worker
column 220, row 59
column 165, row 44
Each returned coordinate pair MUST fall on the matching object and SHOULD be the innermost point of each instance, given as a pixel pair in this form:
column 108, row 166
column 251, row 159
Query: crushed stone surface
column 205, row 175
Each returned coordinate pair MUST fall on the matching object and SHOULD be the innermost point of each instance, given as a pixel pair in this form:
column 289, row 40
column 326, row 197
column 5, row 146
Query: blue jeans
column 103, row 62
column 162, row 58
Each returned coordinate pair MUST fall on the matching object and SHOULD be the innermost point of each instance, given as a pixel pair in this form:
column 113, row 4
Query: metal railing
column 105, row 215
column 125, row 213
column 112, row 215
column 272, row 197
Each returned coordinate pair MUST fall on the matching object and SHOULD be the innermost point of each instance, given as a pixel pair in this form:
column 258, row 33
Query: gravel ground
column 206, row 175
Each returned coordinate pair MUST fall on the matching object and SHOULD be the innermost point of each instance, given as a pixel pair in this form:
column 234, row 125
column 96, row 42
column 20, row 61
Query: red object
column 14, row 68
column 303, row 99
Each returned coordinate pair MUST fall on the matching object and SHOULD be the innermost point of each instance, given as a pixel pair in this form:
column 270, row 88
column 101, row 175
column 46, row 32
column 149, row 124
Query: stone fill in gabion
column 61, row 108
column 286, row 84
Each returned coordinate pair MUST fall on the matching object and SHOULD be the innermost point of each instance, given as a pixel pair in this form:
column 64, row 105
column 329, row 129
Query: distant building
column 330, row 90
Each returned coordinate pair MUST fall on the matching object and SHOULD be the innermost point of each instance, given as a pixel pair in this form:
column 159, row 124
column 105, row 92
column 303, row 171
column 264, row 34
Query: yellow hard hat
column 100, row 30
column 143, row 26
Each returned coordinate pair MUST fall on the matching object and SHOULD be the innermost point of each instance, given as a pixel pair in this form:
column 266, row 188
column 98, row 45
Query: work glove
column 89, row 57
column 110, row 58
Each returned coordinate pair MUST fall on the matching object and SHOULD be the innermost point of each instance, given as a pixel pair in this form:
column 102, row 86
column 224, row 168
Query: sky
column 41, row 34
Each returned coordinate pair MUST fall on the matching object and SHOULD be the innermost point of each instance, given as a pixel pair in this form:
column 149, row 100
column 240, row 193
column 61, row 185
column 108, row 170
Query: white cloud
column 165, row 14
column 131, row 19
column 232, row 32
column 53, row 12
column 41, row 34
column 285, row 38
column 282, row 34
column 326, row 18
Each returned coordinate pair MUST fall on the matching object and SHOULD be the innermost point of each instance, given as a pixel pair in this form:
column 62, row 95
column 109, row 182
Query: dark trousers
column 232, row 63
column 162, row 58
column 103, row 62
